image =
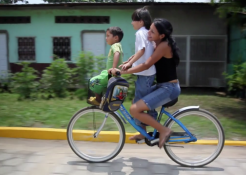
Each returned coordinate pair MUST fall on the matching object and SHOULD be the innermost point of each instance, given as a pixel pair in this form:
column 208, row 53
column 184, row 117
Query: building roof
column 40, row 2
column 184, row 1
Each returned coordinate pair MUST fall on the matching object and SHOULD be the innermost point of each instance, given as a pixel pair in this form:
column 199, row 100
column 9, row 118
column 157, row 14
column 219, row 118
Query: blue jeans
column 142, row 88
column 161, row 94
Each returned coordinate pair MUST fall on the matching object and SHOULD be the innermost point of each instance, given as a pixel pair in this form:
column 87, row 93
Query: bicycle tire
column 220, row 143
column 89, row 158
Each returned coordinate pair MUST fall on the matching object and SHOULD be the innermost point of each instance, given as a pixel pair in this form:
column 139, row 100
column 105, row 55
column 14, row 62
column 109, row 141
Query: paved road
column 45, row 157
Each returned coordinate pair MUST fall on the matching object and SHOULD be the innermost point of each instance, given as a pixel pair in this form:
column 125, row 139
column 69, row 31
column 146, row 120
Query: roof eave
column 101, row 4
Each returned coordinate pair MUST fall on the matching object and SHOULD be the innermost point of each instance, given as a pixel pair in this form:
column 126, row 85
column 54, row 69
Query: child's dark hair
column 116, row 31
column 144, row 15
column 165, row 27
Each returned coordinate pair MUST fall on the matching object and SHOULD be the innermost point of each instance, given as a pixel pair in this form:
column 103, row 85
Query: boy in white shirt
column 141, row 21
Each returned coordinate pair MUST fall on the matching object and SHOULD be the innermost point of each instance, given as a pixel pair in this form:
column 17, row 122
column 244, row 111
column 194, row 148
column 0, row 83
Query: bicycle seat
column 171, row 103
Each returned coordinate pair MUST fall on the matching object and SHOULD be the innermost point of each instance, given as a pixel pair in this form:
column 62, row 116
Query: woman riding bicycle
column 165, row 58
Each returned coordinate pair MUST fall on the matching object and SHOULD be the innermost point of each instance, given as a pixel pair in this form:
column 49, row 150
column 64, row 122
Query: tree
column 231, row 9
column 102, row 1
column 12, row 1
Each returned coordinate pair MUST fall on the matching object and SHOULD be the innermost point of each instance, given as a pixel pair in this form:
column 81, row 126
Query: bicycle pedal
column 140, row 141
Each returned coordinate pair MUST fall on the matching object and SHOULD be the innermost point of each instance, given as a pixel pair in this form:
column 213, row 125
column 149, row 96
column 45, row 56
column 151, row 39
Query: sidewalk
column 45, row 157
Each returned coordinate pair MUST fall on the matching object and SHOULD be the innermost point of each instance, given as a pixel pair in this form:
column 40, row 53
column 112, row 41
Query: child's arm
column 126, row 61
column 116, row 59
column 135, row 58
column 115, row 63
column 141, row 39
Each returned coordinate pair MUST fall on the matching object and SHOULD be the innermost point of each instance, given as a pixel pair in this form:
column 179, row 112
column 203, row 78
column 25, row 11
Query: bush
column 83, row 71
column 56, row 78
column 5, row 79
column 24, row 83
column 87, row 66
column 100, row 63
column 237, row 80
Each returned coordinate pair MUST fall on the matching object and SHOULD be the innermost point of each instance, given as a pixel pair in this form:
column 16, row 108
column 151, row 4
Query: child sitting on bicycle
column 141, row 21
column 99, row 83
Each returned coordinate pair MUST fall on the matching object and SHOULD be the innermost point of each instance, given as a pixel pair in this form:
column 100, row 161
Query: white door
column 3, row 54
column 94, row 42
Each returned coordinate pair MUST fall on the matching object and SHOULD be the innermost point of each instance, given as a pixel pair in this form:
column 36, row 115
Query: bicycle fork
column 95, row 135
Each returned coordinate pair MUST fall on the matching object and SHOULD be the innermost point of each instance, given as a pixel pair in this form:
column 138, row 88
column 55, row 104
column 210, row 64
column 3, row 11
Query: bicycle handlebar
column 117, row 73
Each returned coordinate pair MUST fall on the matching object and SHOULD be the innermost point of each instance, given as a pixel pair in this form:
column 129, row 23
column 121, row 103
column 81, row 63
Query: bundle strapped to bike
column 115, row 95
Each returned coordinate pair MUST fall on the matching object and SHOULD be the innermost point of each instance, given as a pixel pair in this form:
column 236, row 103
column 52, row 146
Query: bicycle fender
column 188, row 108
column 120, row 117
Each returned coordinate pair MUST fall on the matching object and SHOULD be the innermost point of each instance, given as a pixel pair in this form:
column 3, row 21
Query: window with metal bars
column 83, row 19
column 26, row 49
column 62, row 47
column 15, row 19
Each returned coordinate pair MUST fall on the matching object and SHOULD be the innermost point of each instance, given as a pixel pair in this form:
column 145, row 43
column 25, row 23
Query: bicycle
column 181, row 137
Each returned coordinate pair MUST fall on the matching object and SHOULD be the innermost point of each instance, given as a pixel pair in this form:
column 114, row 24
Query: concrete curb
column 61, row 134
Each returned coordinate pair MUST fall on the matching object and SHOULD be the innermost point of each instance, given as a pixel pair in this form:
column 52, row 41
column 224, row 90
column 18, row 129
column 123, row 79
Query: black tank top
column 165, row 70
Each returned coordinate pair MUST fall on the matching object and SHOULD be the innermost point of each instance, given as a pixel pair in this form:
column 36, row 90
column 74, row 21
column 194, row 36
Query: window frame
column 34, row 49
column 67, row 60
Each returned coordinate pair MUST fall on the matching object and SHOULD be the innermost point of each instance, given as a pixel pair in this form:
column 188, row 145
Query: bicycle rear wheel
column 210, row 139
column 83, row 126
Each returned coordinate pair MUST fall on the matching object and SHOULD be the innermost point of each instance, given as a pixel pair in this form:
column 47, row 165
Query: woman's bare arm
column 160, row 51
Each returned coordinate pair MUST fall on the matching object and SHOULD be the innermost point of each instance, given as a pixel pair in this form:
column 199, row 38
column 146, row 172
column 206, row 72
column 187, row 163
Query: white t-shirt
column 140, row 43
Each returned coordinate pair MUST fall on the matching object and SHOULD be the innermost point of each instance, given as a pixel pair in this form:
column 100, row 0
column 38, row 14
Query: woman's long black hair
column 165, row 27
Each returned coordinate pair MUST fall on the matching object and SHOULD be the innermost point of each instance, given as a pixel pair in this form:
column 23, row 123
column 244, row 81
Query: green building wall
column 43, row 28
column 237, row 46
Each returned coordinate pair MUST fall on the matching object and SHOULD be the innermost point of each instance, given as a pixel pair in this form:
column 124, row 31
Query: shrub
column 237, row 80
column 100, row 63
column 83, row 71
column 87, row 66
column 5, row 79
column 56, row 78
column 25, row 82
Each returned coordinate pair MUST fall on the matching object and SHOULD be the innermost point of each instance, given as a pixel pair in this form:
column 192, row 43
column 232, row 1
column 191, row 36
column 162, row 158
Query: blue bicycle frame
column 186, row 139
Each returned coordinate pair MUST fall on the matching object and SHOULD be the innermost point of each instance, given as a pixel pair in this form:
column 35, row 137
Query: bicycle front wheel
column 210, row 138
column 81, row 131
